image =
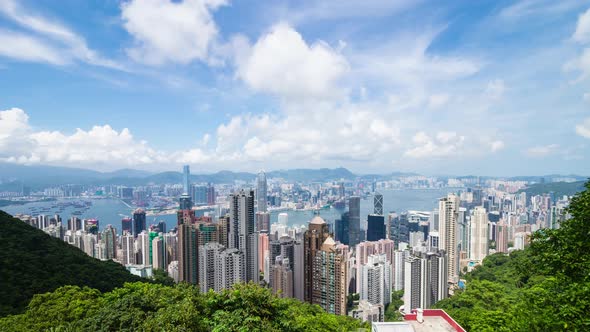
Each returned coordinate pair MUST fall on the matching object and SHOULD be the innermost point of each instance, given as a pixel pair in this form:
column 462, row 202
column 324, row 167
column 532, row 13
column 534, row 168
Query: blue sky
column 436, row 87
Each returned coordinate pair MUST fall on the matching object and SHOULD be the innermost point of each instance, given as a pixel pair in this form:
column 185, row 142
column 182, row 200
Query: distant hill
column 32, row 262
column 558, row 188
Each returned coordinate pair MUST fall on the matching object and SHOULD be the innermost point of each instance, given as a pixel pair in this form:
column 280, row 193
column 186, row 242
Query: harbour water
column 111, row 211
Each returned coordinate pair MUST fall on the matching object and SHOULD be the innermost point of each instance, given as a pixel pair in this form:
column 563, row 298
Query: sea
column 111, row 211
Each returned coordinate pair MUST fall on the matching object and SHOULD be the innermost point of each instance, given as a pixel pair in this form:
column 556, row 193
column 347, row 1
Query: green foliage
column 32, row 262
column 545, row 287
column 161, row 277
column 392, row 313
column 558, row 188
column 155, row 307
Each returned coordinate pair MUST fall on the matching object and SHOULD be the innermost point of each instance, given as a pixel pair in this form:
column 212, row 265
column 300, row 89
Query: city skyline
column 377, row 86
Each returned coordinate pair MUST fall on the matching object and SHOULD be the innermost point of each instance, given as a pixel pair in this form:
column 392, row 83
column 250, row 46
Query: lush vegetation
column 154, row 307
column 545, row 287
column 392, row 313
column 32, row 262
column 558, row 188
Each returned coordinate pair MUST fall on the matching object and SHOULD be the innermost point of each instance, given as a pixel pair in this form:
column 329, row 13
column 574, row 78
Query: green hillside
column 545, row 287
column 32, row 262
column 558, row 188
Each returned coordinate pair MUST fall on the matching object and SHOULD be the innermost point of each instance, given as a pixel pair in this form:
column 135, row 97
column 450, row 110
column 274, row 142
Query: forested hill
column 32, row 262
column 545, row 287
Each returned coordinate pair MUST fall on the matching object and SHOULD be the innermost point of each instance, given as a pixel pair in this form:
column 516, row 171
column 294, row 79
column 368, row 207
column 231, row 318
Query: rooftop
column 435, row 320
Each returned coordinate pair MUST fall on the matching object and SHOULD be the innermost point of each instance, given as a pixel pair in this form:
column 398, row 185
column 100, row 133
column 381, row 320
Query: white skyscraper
column 479, row 234
column 142, row 247
column 209, row 255
column 448, row 213
column 425, row 280
column 241, row 231
column 230, row 269
column 375, row 283
column 283, row 218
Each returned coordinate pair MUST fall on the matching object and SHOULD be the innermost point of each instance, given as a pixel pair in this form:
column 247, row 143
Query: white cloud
column 495, row 89
column 282, row 63
column 580, row 64
column 583, row 129
column 168, row 31
column 60, row 46
column 582, row 33
column 542, row 150
column 445, row 144
column 438, row 100
column 496, row 146
column 525, row 8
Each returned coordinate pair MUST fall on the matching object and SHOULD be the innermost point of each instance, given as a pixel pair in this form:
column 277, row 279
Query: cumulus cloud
column 582, row 33
column 542, row 150
column 167, row 31
column 444, row 144
column 583, row 129
column 283, row 63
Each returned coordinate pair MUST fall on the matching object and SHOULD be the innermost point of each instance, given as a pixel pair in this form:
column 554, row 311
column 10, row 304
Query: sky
column 435, row 87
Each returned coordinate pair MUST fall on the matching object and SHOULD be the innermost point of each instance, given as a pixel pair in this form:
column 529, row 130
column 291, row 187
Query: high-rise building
column 375, row 280
column 143, row 248
column 330, row 281
column 230, row 269
column 208, row 259
column 281, row 277
column 187, row 253
column 425, row 280
column 199, row 194
column 261, row 192
column 262, row 222
column 479, row 234
column 448, row 210
column 126, row 225
column 283, row 218
column 211, row 197
column 354, row 209
column 375, row 227
column 241, row 233
column 109, row 241
column 224, row 226
column 186, row 172
column 159, row 253
column 378, row 204
column 128, row 249
column 139, row 221
column 342, row 229
column 314, row 238
column 299, row 271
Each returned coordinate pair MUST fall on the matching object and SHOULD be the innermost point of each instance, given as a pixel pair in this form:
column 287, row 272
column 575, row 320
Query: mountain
column 313, row 175
column 558, row 188
column 32, row 262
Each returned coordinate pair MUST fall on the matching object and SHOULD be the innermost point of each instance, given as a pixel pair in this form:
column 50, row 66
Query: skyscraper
column 425, row 280
column 354, row 209
column 314, row 237
column 378, row 204
column 126, row 225
column 230, row 269
column 342, row 229
column 479, row 234
column 375, row 227
column 159, row 253
column 139, row 221
column 330, row 281
column 262, row 222
column 281, row 279
column 208, row 259
column 109, row 240
column 187, row 253
column 186, row 179
column 448, row 213
column 261, row 192
column 375, row 280
column 241, row 233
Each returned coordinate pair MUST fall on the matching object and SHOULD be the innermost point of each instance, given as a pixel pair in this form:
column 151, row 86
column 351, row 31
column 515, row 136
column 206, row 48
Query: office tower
column 375, row 280
column 283, row 219
column 241, row 233
column 375, row 227
column 354, row 209
column 208, row 257
column 262, row 222
column 314, row 237
column 281, row 279
column 425, row 280
column 211, row 196
column 139, row 221
column 342, row 229
column 261, row 192
column 159, row 253
column 378, row 204
column 479, row 234
column 109, row 241
column 186, row 179
column 199, row 194
column 299, row 271
column 400, row 228
column 230, row 269
column 330, row 281
column 162, row 226
column 448, row 208
column 126, row 225
column 128, row 248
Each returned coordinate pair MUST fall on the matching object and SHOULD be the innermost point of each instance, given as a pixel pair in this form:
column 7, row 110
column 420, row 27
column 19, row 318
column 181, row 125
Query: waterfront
column 111, row 211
